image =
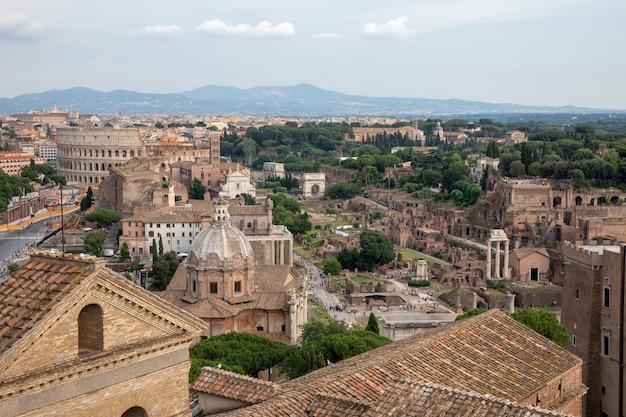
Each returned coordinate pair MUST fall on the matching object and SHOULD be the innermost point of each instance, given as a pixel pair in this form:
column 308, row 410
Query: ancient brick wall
column 144, row 391
column 538, row 296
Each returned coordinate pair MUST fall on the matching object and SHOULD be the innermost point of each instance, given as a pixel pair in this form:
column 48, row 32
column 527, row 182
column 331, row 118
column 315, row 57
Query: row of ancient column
column 498, row 236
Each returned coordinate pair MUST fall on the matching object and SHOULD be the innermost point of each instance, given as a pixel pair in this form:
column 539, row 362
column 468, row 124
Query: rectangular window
column 577, row 293
column 605, row 345
column 573, row 340
column 213, row 287
column 237, row 286
column 606, row 302
column 603, row 390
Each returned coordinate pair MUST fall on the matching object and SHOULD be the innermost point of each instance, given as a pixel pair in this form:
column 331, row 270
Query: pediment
column 129, row 317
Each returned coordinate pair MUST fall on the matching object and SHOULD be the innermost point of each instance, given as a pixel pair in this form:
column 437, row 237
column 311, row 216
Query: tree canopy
column 325, row 344
column 104, row 217
column 94, row 243
column 242, row 353
column 544, row 323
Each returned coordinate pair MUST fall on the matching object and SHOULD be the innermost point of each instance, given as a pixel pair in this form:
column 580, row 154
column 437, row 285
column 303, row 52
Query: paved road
column 417, row 300
column 15, row 243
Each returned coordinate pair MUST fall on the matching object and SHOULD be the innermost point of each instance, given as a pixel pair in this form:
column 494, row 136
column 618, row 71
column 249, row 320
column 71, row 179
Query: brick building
column 79, row 339
column 593, row 315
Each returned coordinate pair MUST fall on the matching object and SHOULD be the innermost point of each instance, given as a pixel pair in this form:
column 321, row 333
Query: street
column 15, row 243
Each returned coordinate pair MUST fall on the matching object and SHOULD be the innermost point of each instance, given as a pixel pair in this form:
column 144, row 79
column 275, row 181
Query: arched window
column 90, row 329
column 135, row 412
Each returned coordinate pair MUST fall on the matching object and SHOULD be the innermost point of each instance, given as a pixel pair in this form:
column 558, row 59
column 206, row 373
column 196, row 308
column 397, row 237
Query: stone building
column 77, row 339
column 176, row 226
column 11, row 163
column 272, row 243
column 313, row 184
column 513, row 137
column 237, row 183
column 85, row 154
column 222, row 284
column 23, row 207
column 488, row 365
column 530, row 264
column 140, row 183
column 593, row 316
column 273, row 169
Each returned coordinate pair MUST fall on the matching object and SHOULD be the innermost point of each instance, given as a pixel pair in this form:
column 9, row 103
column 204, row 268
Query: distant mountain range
column 301, row 100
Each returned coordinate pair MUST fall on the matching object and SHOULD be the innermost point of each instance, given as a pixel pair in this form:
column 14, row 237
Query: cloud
column 326, row 36
column 18, row 26
column 393, row 28
column 163, row 30
column 458, row 13
column 262, row 29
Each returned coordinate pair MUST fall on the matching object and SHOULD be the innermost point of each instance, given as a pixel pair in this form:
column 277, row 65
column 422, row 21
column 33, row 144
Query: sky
column 534, row 52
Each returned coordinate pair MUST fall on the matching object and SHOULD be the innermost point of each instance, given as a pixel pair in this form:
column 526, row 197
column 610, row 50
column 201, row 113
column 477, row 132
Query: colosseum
column 85, row 154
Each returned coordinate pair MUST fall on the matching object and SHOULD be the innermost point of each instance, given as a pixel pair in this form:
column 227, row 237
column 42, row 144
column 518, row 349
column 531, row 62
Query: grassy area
column 361, row 279
column 316, row 312
column 411, row 254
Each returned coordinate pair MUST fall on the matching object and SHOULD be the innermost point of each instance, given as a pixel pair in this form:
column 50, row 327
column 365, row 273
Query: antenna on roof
column 62, row 231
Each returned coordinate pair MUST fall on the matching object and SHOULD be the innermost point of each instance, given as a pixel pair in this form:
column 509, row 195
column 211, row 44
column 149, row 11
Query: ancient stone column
column 497, row 272
column 511, row 300
column 488, row 272
column 474, row 300
column 506, row 260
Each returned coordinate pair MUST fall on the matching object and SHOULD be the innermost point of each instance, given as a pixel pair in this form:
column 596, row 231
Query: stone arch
column 615, row 200
column 135, row 412
column 578, row 200
column 91, row 329
column 556, row 202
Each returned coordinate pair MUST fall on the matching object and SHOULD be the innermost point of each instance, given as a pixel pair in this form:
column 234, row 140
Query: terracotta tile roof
column 231, row 385
column 211, row 307
column 409, row 398
column 332, row 405
column 487, row 354
column 31, row 292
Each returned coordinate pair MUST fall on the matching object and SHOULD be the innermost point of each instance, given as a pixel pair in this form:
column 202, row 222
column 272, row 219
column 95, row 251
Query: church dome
column 221, row 237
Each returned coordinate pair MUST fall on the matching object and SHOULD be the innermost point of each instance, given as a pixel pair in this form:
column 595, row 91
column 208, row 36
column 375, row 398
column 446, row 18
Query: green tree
column 94, row 243
column 155, row 253
column 164, row 269
column 470, row 313
column 372, row 324
column 160, row 246
column 243, row 353
column 315, row 330
column 349, row 258
column 124, row 251
column 376, row 248
column 544, row 323
column 197, row 190
column 87, row 201
column 343, row 190
column 104, row 217
column 332, row 266
column 248, row 199
column 331, row 344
